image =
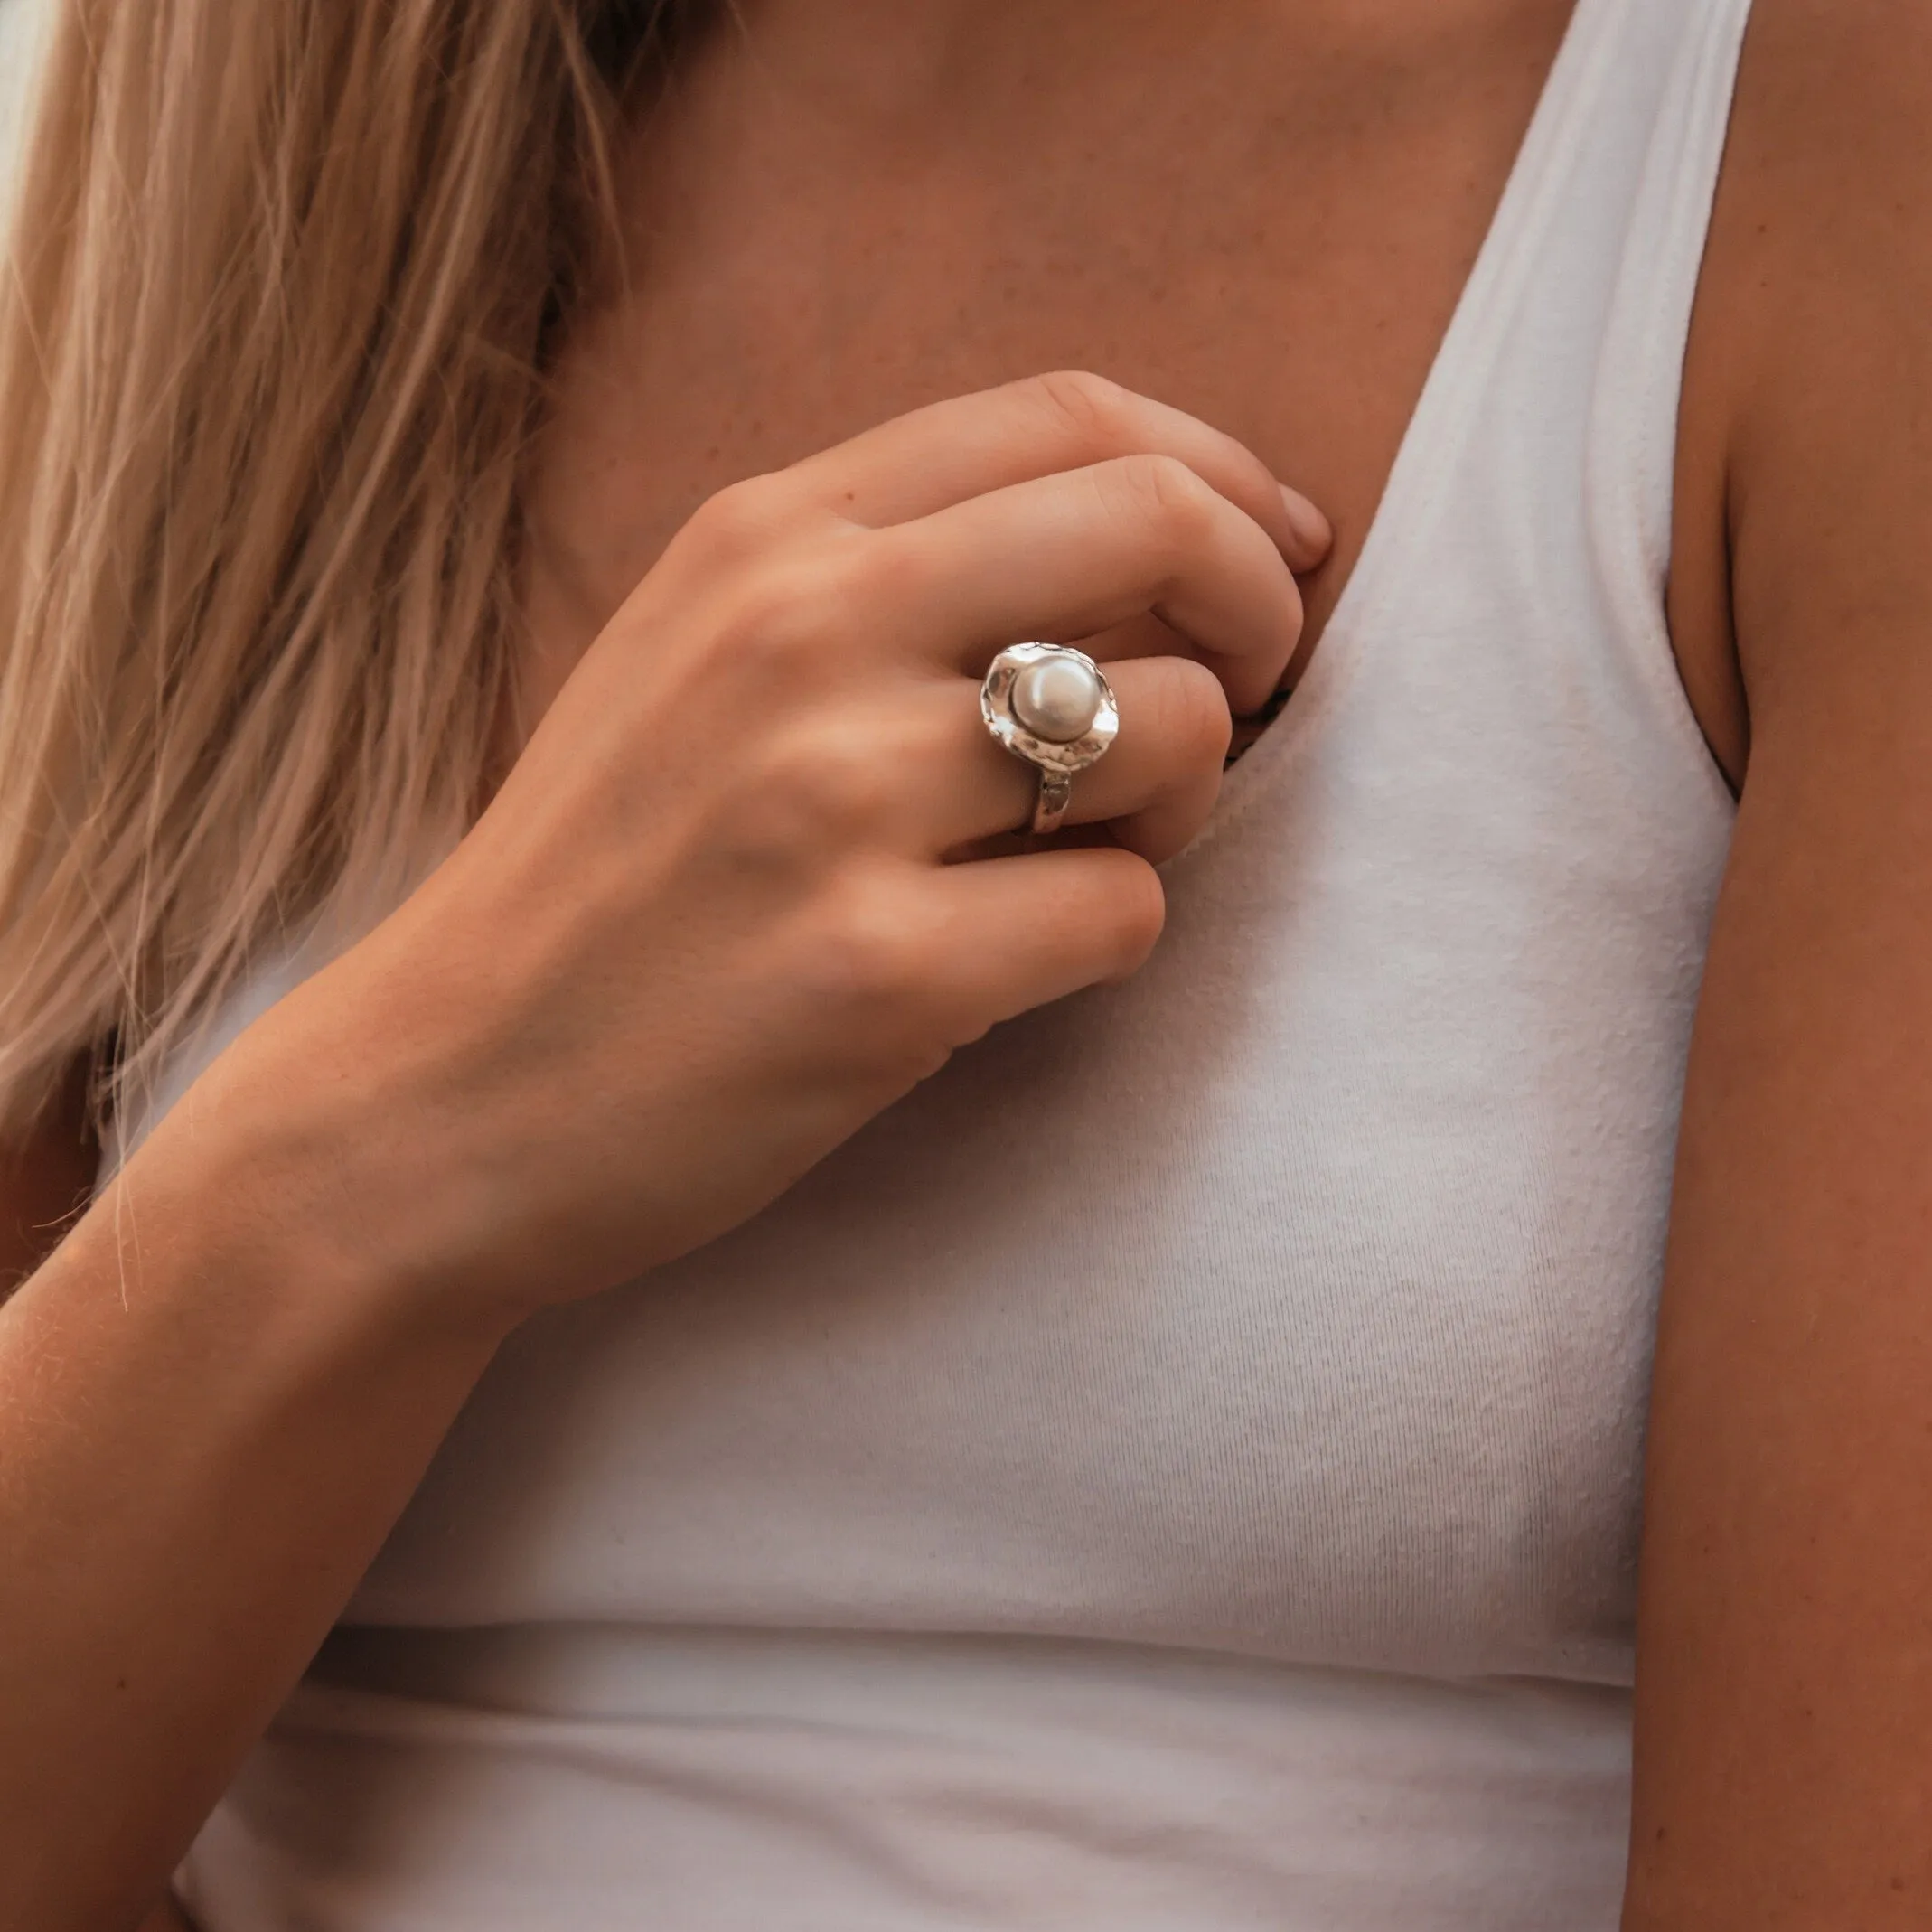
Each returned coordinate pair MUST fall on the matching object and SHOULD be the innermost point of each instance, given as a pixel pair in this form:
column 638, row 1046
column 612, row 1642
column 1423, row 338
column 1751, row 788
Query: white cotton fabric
column 1179, row 1471
column 23, row 30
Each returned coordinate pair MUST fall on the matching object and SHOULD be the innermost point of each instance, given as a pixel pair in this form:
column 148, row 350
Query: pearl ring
column 1050, row 705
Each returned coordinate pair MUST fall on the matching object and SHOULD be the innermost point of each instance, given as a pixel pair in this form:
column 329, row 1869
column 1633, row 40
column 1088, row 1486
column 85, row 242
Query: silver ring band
column 1049, row 806
column 1051, row 706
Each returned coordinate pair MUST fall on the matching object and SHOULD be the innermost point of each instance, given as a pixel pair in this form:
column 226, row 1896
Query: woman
column 534, row 915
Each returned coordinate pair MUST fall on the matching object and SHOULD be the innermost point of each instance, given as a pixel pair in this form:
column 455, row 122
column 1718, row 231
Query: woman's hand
column 715, row 919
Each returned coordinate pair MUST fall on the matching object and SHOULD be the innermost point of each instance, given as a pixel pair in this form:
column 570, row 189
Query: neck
column 885, row 63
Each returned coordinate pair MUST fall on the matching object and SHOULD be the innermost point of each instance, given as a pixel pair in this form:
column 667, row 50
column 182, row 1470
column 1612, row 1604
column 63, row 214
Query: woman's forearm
column 207, row 1424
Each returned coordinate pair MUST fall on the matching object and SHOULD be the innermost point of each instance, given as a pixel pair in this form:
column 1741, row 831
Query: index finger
column 942, row 454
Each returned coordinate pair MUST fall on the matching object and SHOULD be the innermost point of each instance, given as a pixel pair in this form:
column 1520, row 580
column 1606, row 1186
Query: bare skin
column 1277, row 248
column 1785, row 1681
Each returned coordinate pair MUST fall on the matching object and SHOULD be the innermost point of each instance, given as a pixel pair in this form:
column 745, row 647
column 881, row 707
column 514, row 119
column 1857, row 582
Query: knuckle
column 804, row 806
column 1091, row 409
column 1194, row 709
column 783, row 620
column 1139, row 911
column 1164, row 494
column 876, row 957
column 737, row 522
column 834, row 789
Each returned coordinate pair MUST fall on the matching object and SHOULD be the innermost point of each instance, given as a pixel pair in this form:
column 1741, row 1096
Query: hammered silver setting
column 996, row 705
column 1057, row 763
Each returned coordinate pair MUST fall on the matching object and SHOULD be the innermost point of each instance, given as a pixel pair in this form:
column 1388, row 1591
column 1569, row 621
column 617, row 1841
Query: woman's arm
column 708, row 927
column 207, row 1424
column 44, row 1180
column 1784, row 1776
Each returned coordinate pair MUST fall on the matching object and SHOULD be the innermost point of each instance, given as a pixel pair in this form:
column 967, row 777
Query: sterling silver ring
column 1052, row 706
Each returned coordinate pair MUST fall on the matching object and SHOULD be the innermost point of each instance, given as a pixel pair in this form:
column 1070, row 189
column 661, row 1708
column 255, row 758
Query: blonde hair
column 271, row 346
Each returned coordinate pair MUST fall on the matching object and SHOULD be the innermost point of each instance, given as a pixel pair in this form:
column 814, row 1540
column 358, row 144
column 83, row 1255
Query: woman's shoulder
column 1806, row 456
column 1822, row 245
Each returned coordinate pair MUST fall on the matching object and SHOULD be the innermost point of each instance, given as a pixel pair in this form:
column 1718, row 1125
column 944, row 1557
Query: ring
column 1052, row 706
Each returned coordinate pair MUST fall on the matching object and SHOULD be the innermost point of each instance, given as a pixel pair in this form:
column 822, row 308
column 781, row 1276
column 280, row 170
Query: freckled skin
column 1262, row 214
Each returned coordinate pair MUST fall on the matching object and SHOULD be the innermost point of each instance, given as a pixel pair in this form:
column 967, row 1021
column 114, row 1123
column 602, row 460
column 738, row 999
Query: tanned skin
column 1263, row 214
column 1785, row 1665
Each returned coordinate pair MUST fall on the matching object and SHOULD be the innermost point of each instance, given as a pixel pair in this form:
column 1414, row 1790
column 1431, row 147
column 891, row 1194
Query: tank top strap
column 1632, row 443
column 1549, row 415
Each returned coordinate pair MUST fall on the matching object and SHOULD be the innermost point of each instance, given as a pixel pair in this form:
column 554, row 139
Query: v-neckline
column 1502, row 260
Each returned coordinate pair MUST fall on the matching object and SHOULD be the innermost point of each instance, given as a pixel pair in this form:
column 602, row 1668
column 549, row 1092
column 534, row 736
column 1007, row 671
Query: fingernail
column 1311, row 528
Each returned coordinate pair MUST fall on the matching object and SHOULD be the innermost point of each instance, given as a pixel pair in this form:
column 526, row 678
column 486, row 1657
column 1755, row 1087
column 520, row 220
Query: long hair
column 272, row 339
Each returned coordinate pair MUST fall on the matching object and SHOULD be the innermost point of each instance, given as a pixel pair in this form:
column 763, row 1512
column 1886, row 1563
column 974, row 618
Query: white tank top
column 1179, row 1469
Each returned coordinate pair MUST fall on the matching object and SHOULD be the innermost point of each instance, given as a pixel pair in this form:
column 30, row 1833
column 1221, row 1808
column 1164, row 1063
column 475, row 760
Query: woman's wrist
column 300, row 1184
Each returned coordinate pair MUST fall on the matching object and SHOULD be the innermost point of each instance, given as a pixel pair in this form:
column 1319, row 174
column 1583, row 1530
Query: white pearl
column 1056, row 698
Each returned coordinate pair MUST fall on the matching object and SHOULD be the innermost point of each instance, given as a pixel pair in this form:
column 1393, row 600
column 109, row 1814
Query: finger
column 1074, row 555
column 937, row 456
column 1153, row 789
column 1015, row 933
column 1158, row 800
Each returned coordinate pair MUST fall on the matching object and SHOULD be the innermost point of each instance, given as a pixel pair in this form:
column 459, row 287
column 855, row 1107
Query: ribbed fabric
column 1180, row 1469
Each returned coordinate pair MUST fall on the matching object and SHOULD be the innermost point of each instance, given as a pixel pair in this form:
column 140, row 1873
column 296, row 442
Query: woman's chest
column 1294, row 1298
column 1272, row 233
